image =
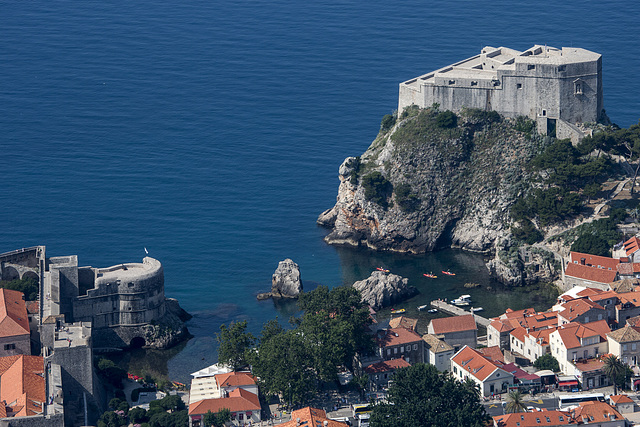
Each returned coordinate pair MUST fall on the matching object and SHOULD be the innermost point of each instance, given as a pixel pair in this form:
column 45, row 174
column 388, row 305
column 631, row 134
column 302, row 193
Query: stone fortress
column 124, row 304
column 558, row 88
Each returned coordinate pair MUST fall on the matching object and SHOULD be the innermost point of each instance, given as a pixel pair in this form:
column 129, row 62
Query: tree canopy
column 28, row 286
column 421, row 396
column 547, row 361
column 234, row 343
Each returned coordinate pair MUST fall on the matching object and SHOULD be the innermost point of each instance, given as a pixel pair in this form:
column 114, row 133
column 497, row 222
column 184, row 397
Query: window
column 633, row 346
column 240, row 417
column 395, row 350
column 548, row 419
column 415, row 346
column 538, row 420
column 474, row 83
column 409, row 347
column 578, row 89
column 388, row 352
column 401, row 349
column 519, row 85
column 9, row 346
column 561, row 418
column 562, row 68
column 531, row 67
column 599, row 316
column 544, row 113
column 624, row 347
column 452, row 82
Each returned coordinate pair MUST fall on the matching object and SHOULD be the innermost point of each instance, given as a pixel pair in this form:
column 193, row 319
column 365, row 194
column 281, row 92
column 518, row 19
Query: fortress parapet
column 544, row 83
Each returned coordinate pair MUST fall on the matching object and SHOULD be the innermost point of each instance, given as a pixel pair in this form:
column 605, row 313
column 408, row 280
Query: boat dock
column 457, row 311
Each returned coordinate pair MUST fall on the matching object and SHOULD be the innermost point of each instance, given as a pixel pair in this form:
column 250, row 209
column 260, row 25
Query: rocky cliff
column 382, row 290
column 429, row 182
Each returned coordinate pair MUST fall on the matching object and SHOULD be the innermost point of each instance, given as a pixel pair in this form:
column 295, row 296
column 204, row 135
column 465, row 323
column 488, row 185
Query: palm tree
column 613, row 368
column 515, row 402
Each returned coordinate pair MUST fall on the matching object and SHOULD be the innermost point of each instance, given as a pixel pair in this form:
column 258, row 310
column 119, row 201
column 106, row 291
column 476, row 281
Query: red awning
column 567, row 383
column 636, row 382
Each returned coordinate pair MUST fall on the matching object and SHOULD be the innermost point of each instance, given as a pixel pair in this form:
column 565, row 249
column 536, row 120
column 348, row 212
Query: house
column 622, row 403
column 204, row 384
column 516, row 342
column 231, row 381
column 590, row 373
column 14, row 324
column 311, row 417
column 598, row 413
column 456, row 331
column 244, row 407
column 632, row 249
column 628, row 307
column 493, row 353
column 401, row 342
column 382, row 372
column 438, row 352
column 531, row 419
column 580, row 310
column 536, row 343
column 22, row 387
column 575, row 341
column 625, row 343
column 404, row 322
column 592, row 277
column 499, row 330
column 469, row 363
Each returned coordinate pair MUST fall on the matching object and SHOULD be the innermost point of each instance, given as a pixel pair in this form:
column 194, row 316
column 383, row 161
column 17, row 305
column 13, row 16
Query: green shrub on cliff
column 376, row 188
column 407, row 201
column 527, row 232
column 387, row 122
column 447, row 120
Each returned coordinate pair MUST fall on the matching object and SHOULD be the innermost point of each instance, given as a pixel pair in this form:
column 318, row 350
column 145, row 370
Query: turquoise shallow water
column 211, row 132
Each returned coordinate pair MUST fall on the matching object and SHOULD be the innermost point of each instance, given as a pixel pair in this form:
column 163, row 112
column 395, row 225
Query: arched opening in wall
column 10, row 273
column 137, row 342
column 31, row 275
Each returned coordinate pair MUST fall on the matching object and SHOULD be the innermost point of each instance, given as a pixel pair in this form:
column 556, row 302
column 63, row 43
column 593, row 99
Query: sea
column 209, row 133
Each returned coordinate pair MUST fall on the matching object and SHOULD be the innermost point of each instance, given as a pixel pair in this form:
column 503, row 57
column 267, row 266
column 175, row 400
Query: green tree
column 527, row 232
column 217, row 419
column 447, row 120
column 547, row 361
column 591, row 244
column 422, row 396
column 234, row 342
column 111, row 372
column 376, row 188
column 407, row 201
column 138, row 415
column 515, row 403
column 361, row 382
column 28, row 286
column 387, row 122
column 614, row 369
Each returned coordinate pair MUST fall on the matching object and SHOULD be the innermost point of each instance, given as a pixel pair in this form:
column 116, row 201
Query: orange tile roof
column 311, row 417
column 239, row 400
column 447, row 325
column 620, row 398
column 22, row 384
column 602, row 295
column 398, row 336
column 589, row 365
column 386, row 366
column 543, row 335
column 502, row 326
column 231, row 379
column 631, row 245
column 475, row 363
column 509, row 313
column 596, row 412
column 571, row 333
column 606, row 263
column 577, row 307
column 519, row 333
column 13, row 314
column 632, row 298
column 403, row 322
column 593, row 274
column 493, row 353
column 528, row 419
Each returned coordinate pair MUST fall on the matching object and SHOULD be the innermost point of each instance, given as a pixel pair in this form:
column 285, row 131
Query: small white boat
column 475, row 309
column 423, row 307
column 433, row 310
column 463, row 300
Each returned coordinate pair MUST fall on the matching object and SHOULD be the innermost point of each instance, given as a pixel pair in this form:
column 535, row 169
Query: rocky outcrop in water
column 170, row 329
column 286, row 281
column 383, row 290
column 421, row 185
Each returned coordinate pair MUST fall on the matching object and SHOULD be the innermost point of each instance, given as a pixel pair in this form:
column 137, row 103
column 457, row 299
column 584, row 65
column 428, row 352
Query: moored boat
column 382, row 269
column 463, row 300
column 448, row 273
column 433, row 310
column 476, row 309
column 430, row 275
column 397, row 311
column 423, row 307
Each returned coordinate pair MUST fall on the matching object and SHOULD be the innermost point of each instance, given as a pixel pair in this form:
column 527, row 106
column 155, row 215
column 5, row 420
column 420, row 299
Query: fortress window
column 562, row 68
column 544, row 112
column 474, row 83
column 519, row 85
column 531, row 67
column 9, row 346
column 452, row 82
column 578, row 89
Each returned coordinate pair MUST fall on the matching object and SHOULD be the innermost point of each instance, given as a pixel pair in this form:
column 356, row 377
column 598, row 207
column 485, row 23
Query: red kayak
column 448, row 273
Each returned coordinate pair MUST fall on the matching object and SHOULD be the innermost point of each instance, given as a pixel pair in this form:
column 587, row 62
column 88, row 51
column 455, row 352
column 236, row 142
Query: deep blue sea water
column 211, row 132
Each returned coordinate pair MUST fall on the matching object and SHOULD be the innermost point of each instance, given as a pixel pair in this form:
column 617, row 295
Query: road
column 495, row 407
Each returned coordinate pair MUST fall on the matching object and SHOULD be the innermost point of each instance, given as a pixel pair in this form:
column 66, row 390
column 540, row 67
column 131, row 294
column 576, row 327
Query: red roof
column 632, row 245
column 592, row 274
column 446, row 325
column 510, row 314
column 543, row 335
column 239, row 400
column 493, row 353
column 13, row 314
column 596, row 412
column 519, row 373
column 311, row 417
column 620, row 398
column 398, row 336
column 571, row 333
column 528, row 419
column 519, row 333
column 632, row 298
column 235, row 379
column 474, row 363
column 404, row 322
column 603, row 262
column 22, row 384
column 386, row 366
column 577, row 307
